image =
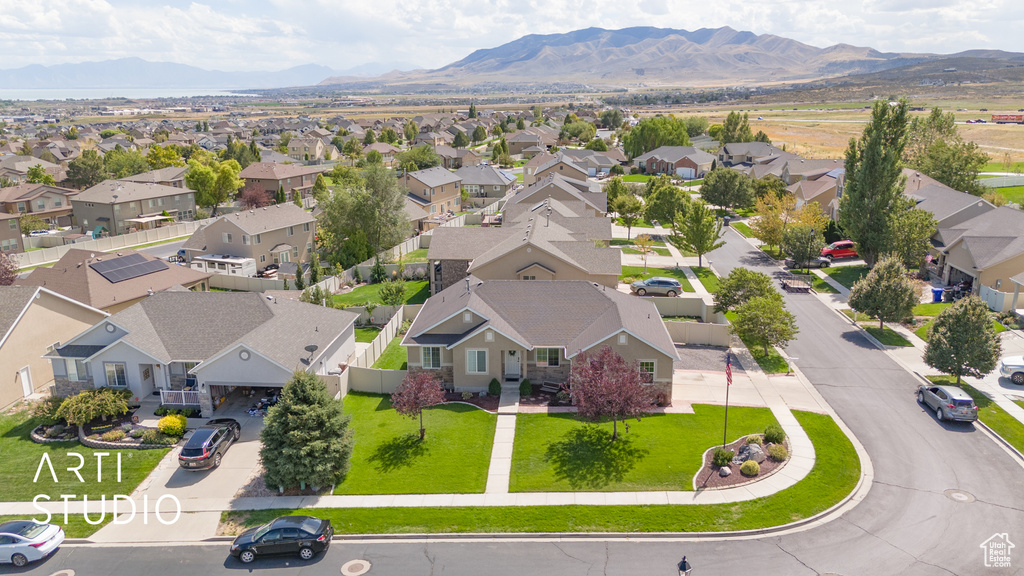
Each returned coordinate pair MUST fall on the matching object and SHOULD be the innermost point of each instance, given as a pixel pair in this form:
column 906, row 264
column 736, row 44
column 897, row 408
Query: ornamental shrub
column 467, row 396
column 525, row 388
column 722, row 457
column 750, row 468
column 112, row 436
column 154, row 436
column 494, row 388
column 138, row 432
column 172, row 425
column 47, row 408
column 777, row 452
column 773, row 434
column 55, row 431
column 755, row 439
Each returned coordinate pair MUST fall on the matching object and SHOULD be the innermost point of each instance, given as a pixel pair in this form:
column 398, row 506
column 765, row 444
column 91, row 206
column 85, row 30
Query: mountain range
column 661, row 56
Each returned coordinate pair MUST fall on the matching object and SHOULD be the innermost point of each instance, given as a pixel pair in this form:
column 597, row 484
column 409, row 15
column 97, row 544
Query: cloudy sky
column 277, row 34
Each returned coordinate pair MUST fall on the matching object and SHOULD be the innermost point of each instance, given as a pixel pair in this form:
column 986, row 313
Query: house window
column 431, row 357
column 177, row 198
column 226, row 237
column 295, row 253
column 529, row 277
column 160, row 202
column 21, row 207
column 623, row 339
column 13, row 224
column 305, row 227
column 467, row 316
column 291, row 230
column 9, row 245
column 489, row 336
column 476, row 361
column 57, row 203
column 116, row 375
column 647, row 368
column 41, row 205
column 263, row 258
column 245, row 240
column 257, row 239
column 547, row 356
column 78, row 371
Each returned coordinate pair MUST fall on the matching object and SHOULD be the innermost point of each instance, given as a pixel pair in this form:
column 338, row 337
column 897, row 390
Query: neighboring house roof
column 104, row 192
column 990, row 238
column 414, row 209
column 807, row 167
column 169, row 174
column 26, row 192
column 274, row 157
column 279, row 329
column 674, row 154
column 559, row 209
column 537, row 191
column 484, row 175
column 808, row 190
column 752, row 149
column 72, row 276
column 383, row 147
column 539, row 160
column 15, row 301
column 268, row 218
column 575, row 315
column 23, row 163
column 563, row 159
column 434, row 177
column 943, row 201
column 277, row 171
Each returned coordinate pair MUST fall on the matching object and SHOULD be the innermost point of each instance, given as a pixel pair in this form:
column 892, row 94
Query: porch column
column 206, row 403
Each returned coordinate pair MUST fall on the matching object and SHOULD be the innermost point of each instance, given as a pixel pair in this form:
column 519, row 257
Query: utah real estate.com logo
column 997, row 550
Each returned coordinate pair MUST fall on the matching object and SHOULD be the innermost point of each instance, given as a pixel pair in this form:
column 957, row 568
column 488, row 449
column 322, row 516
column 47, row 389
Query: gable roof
column 538, row 191
column 674, row 154
column 15, row 301
column 73, row 277
column 989, row 238
column 278, row 171
column 434, row 177
column 278, row 329
column 943, row 201
column 27, row 191
column 576, row 315
column 267, row 218
column 484, row 175
column 126, row 191
column 169, row 174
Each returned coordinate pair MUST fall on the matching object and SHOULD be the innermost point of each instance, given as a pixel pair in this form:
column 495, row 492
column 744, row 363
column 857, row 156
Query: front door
column 26, row 381
column 512, row 363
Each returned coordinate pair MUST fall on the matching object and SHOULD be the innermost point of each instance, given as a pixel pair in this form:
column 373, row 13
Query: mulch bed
column 708, row 478
column 540, row 398
column 486, row 402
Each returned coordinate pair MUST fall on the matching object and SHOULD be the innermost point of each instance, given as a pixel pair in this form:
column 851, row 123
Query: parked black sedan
column 208, row 444
column 302, row 535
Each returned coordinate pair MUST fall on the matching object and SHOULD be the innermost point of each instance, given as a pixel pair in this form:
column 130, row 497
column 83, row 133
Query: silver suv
column 948, row 402
column 658, row 286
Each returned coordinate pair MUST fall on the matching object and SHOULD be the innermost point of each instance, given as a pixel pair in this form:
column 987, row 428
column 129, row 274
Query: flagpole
column 728, row 384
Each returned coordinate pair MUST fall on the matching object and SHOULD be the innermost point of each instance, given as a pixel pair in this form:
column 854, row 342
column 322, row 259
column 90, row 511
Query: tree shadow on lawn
column 586, row 457
column 399, row 452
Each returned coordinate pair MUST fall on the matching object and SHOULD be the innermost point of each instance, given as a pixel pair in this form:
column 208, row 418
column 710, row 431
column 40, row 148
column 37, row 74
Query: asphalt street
column 909, row 523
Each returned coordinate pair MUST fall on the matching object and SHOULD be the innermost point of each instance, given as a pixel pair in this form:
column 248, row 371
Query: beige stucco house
column 476, row 331
column 270, row 235
column 34, row 320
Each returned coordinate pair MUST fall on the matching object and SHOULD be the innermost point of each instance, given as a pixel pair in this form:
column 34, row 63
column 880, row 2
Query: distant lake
column 99, row 93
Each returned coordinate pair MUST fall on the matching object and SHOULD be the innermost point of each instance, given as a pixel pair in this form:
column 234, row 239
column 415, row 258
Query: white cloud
column 275, row 34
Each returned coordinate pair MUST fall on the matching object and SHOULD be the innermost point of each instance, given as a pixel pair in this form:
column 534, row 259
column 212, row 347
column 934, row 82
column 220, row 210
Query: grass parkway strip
column 835, row 474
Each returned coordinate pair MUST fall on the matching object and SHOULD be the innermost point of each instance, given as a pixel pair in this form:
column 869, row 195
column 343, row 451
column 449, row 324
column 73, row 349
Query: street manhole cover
column 959, row 496
column 355, row 567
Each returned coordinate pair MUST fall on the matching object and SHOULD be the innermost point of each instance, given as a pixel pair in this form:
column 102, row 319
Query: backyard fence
column 380, row 343
column 245, row 283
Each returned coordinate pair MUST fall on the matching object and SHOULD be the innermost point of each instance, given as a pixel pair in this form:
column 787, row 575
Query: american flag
column 728, row 369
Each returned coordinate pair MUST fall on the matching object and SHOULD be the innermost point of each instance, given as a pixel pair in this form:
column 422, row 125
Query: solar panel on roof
column 127, row 267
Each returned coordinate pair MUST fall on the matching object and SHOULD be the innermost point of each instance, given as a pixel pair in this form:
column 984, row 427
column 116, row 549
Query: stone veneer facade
column 63, row 387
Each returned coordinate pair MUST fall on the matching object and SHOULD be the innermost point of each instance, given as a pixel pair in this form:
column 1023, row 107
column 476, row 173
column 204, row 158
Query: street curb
column 1010, row 447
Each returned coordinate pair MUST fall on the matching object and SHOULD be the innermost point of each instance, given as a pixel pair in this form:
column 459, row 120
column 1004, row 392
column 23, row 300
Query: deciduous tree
column 163, row 157
column 461, row 140
column 701, row 231
column 773, row 215
column 421, row 157
column 910, row 233
column 727, row 188
column 956, row 164
column 479, row 134
column 962, row 341
column 628, row 208
column 650, row 133
column 764, row 320
column 38, row 175
column 740, row 286
column 886, row 293
column 874, row 179
column 614, row 189
column 8, row 268
column 86, row 170
column 803, row 243
column 254, row 196
column 306, row 437
column 610, row 119
column 419, row 389
column 665, row 203
column 410, row 130
column 603, row 387
column 736, row 128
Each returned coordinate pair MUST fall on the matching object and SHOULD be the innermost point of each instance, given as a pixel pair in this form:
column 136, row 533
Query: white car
column 24, row 541
column 1012, row 367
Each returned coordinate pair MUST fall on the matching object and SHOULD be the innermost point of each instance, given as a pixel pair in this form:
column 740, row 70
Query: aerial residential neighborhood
column 623, row 301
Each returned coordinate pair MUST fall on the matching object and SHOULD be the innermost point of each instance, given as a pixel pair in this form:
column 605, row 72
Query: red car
column 840, row 249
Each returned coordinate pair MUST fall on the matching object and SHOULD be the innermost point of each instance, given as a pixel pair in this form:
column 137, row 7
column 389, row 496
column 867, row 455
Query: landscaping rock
column 749, row 452
column 724, row 471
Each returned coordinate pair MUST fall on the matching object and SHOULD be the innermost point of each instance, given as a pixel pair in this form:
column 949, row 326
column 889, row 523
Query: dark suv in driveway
column 208, row 444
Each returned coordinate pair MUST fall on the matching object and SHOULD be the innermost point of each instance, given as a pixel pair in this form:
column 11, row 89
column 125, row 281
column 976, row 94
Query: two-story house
column 15, row 168
column 685, row 161
column 435, row 189
column 11, row 241
column 564, row 189
column 292, row 178
column 270, row 235
column 308, row 149
column 50, row 203
column 119, row 206
column 486, row 181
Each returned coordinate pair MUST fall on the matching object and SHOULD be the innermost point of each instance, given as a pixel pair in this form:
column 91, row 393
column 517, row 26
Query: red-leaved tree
column 419, row 390
column 253, row 196
column 8, row 269
column 603, row 386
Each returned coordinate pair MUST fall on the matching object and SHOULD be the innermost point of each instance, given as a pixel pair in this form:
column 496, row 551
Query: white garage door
column 685, row 172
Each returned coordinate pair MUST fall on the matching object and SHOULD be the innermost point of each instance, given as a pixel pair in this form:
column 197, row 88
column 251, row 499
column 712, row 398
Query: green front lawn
column 416, row 292
column 631, row 273
column 418, row 255
column 887, row 336
column 636, row 178
column 706, row 277
column 631, row 242
column 394, row 356
column 821, row 286
column 834, row 475
column 932, row 309
column 996, row 166
column 1011, row 429
column 742, row 228
column 773, row 251
column 1013, row 194
column 559, row 453
column 654, row 250
column 846, row 275
column 638, row 224
column 366, row 333
column 922, row 330
column 745, row 212
column 770, row 363
column 389, row 458
column 21, row 457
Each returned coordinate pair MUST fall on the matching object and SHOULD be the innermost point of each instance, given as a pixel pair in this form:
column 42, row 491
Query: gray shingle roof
column 104, row 192
column 13, row 300
column 168, row 174
column 276, row 171
column 484, row 175
column 268, row 218
column 990, row 238
column 434, row 177
column 676, row 153
column 943, row 201
column 539, row 191
column 575, row 315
